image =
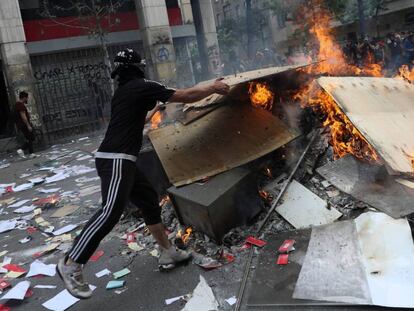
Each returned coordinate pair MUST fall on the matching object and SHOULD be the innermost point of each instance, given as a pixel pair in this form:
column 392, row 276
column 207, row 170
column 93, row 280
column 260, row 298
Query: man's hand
column 220, row 87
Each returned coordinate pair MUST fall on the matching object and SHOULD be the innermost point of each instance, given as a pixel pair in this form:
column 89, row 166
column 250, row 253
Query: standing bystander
column 24, row 124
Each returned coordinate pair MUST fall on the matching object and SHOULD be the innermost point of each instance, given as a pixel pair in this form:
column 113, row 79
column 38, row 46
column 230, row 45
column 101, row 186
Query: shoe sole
column 67, row 287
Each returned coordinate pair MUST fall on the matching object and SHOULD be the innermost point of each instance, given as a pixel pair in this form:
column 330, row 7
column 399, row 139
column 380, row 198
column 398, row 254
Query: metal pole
column 262, row 225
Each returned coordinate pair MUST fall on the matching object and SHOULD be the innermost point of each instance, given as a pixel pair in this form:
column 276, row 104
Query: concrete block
column 226, row 201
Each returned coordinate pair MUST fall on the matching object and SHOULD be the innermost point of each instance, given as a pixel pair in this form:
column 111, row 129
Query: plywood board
column 370, row 184
column 382, row 109
column 302, row 208
column 228, row 137
column 243, row 77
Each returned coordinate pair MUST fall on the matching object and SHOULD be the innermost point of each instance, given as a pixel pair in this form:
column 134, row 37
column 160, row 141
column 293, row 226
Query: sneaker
column 72, row 277
column 171, row 257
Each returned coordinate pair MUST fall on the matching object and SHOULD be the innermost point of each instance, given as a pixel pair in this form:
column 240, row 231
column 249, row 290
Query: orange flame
column 266, row 196
column 405, row 73
column 156, row 120
column 260, row 95
column 186, row 236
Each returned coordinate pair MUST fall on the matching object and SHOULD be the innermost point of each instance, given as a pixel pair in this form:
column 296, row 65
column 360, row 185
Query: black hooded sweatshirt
column 134, row 97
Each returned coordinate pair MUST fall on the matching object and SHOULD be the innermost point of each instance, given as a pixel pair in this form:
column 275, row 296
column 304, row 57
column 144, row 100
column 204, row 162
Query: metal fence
column 73, row 91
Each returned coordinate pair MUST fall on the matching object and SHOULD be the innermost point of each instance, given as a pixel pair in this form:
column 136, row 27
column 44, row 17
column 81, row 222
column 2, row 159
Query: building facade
column 65, row 61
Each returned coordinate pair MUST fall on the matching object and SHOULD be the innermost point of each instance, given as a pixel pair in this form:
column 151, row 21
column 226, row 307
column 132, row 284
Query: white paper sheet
column 64, row 229
column 202, row 299
column 18, row 203
column 102, row 273
column 57, row 177
column 232, row 300
column 23, row 187
column 37, row 267
column 6, row 261
column 172, row 300
column 62, row 301
column 36, row 180
column 7, row 225
column 25, row 209
column 45, row 286
column 50, row 190
column 18, row 291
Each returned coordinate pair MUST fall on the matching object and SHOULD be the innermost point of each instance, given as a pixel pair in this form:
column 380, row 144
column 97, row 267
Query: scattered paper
column 25, row 209
column 45, row 286
column 102, row 273
column 7, row 225
column 135, row 246
column 96, row 256
column 57, row 177
column 18, row 291
column 405, row 182
column 6, row 261
column 22, row 187
column 172, row 300
column 115, row 284
column 121, row 273
column 85, row 157
column 39, row 268
column 51, row 190
column 62, row 301
column 255, row 242
column 89, row 190
column 232, row 300
column 202, row 299
column 19, row 203
column 64, row 211
column 25, row 240
column 154, row 253
column 65, row 229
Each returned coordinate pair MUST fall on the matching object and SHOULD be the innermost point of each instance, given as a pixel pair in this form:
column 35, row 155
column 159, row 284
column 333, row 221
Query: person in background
column 408, row 46
column 24, row 124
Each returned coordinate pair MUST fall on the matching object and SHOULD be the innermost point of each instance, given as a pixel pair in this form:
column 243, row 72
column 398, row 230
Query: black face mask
column 124, row 73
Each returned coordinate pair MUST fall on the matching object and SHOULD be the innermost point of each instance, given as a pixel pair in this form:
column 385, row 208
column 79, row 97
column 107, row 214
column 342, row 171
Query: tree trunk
column 249, row 25
column 361, row 17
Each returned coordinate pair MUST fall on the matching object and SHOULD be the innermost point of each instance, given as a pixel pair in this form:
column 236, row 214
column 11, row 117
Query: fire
column 260, row 95
column 345, row 138
column 156, row 120
column 266, row 196
column 186, row 236
column 406, row 74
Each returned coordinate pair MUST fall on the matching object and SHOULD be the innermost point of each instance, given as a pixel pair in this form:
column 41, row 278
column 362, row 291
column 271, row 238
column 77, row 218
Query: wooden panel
column 382, row 109
column 228, row 137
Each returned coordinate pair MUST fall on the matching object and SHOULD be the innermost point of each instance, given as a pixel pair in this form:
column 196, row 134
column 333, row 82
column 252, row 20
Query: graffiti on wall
column 95, row 72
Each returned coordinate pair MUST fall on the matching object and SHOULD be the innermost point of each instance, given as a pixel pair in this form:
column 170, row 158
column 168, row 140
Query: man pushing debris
column 115, row 162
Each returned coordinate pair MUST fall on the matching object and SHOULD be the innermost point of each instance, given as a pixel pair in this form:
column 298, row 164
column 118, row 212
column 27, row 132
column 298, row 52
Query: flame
column 344, row 137
column 186, row 236
column 266, row 196
column 156, row 120
column 405, row 73
column 260, row 95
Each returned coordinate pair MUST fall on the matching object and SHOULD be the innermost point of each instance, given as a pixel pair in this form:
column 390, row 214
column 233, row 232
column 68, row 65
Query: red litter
column 283, row 259
column 4, row 308
column 29, row 293
column 14, row 268
column 130, row 238
column 96, row 256
column 4, row 284
column 31, row 230
column 255, row 242
column 287, row 246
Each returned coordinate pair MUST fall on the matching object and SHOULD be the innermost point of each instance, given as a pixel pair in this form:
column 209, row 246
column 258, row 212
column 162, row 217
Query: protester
column 115, row 162
column 24, row 124
column 408, row 45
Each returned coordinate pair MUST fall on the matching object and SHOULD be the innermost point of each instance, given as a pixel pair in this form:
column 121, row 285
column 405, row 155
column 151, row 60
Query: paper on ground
column 232, row 300
column 19, row 203
column 64, row 211
column 7, row 225
column 302, row 208
column 45, row 286
column 18, row 291
column 102, row 273
column 62, row 301
column 6, row 261
column 172, row 300
column 51, row 190
column 202, row 299
column 37, row 267
column 388, row 252
column 25, row 209
column 64, row 229
column 22, row 187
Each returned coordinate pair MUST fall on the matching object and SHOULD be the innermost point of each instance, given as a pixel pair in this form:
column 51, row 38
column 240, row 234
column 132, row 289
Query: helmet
column 127, row 56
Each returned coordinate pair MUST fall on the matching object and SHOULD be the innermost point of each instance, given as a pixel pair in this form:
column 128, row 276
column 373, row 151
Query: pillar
column 207, row 36
column 157, row 40
column 15, row 57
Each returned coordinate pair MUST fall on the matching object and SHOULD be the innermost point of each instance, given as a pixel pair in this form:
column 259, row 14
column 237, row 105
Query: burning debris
column 261, row 95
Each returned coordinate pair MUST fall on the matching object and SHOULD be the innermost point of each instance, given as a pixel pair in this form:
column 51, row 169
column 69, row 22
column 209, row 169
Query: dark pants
column 121, row 181
column 29, row 139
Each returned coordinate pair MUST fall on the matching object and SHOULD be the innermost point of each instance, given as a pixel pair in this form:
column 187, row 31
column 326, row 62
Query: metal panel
column 382, row 110
column 228, row 137
column 370, row 184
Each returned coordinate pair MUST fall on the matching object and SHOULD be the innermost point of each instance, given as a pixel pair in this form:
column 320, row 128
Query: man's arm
column 199, row 92
column 25, row 121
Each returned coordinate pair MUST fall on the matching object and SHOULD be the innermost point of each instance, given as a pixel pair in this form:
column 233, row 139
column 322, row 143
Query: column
column 15, row 57
column 157, row 39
